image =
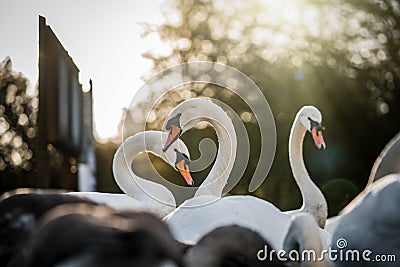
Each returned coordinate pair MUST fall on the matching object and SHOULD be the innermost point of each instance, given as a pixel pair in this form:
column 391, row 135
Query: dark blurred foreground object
column 304, row 235
column 388, row 161
column 229, row 246
column 371, row 222
column 19, row 214
column 88, row 235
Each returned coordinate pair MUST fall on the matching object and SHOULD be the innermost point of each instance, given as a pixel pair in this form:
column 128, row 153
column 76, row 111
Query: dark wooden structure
column 65, row 136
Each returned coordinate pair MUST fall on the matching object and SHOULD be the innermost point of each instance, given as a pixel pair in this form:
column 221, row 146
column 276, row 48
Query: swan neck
column 313, row 200
column 130, row 183
column 300, row 174
column 227, row 143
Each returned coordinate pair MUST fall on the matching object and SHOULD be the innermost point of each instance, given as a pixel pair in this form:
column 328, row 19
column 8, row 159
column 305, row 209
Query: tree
column 341, row 56
column 18, row 117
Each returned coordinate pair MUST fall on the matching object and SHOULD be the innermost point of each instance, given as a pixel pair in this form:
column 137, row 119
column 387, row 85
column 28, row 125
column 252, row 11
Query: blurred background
column 341, row 56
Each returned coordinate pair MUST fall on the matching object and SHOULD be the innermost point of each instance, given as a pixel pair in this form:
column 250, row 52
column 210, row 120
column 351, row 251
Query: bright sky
column 102, row 37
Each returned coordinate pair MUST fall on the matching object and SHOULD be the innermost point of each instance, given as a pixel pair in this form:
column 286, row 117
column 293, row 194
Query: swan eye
column 186, row 157
column 181, row 157
column 316, row 125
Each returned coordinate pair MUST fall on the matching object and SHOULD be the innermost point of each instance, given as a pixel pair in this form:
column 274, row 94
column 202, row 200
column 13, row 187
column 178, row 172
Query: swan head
column 187, row 114
column 152, row 141
column 179, row 152
column 182, row 165
column 174, row 130
column 311, row 118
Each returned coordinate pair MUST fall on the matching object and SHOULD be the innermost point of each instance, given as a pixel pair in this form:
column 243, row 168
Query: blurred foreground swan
column 19, row 212
column 140, row 194
column 231, row 245
column 98, row 236
column 304, row 235
column 371, row 222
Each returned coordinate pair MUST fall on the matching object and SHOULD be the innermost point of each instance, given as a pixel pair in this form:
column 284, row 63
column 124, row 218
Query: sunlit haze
column 102, row 37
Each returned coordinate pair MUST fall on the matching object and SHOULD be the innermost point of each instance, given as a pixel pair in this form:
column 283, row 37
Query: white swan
column 308, row 118
column 140, row 194
column 207, row 211
column 184, row 117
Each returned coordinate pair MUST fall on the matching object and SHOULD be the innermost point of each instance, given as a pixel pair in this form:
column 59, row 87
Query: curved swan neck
column 219, row 174
column 299, row 170
column 130, row 183
column 313, row 200
column 226, row 134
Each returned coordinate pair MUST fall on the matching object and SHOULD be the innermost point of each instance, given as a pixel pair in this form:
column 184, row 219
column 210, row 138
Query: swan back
column 388, row 161
column 372, row 221
column 208, row 212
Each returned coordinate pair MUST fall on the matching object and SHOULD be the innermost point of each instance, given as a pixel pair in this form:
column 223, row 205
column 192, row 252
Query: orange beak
column 183, row 168
column 318, row 138
column 173, row 135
